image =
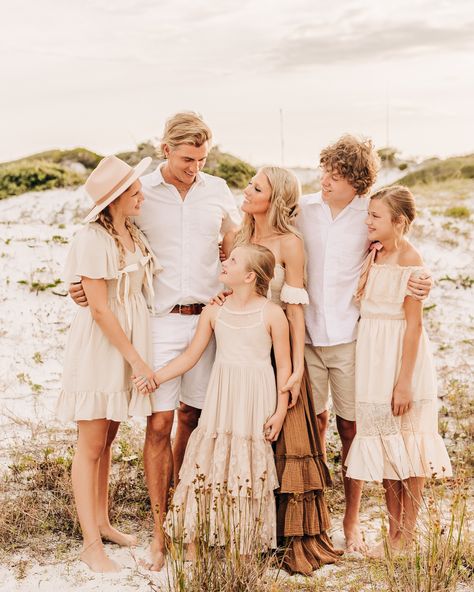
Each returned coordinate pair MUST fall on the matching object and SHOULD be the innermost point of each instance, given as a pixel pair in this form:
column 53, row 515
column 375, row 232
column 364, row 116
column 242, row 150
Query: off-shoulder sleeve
column 93, row 254
column 292, row 295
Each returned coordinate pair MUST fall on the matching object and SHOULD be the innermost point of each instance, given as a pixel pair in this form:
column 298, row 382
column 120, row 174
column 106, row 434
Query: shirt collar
column 358, row 203
column 157, row 176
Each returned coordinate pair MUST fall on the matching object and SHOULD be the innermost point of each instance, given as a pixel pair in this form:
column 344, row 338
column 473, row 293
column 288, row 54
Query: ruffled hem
column 304, row 514
column 301, row 474
column 140, row 405
column 398, row 457
column 305, row 554
column 226, row 487
column 88, row 405
column 244, row 465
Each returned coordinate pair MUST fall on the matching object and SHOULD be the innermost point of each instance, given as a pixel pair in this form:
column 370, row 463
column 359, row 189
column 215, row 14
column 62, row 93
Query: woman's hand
column 76, row 292
column 293, row 386
column 421, row 285
column 402, row 399
column 143, row 378
column 220, row 298
column 273, row 426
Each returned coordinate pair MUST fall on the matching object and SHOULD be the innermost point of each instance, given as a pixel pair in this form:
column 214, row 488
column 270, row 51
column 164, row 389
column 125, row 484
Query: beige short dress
column 385, row 446
column 96, row 381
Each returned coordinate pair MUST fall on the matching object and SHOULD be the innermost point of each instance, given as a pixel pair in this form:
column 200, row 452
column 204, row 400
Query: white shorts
column 171, row 335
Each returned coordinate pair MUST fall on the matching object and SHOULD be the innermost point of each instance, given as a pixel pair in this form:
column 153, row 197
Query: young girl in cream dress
column 108, row 341
column 229, row 455
column 397, row 440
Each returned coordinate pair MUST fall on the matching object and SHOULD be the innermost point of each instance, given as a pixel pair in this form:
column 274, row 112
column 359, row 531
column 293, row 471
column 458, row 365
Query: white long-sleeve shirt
column 184, row 235
column 335, row 251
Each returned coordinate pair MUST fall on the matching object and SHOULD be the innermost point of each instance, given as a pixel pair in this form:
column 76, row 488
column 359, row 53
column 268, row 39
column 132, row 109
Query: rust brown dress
column 302, row 513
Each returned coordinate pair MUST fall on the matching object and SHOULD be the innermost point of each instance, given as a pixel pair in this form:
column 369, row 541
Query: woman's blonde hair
column 186, row 127
column 105, row 220
column 284, row 199
column 261, row 261
column 400, row 202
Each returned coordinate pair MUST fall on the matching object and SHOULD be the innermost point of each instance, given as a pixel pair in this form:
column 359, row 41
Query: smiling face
column 335, row 187
column 130, row 201
column 379, row 222
column 235, row 269
column 185, row 161
column 257, row 195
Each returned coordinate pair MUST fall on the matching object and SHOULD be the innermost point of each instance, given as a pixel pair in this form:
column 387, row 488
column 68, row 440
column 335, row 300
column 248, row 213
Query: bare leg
column 323, row 423
column 394, row 499
column 107, row 531
column 85, row 476
column 158, row 461
column 412, row 496
column 352, row 490
column 188, row 418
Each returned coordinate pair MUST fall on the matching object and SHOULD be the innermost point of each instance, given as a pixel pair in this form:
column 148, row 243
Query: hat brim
column 139, row 169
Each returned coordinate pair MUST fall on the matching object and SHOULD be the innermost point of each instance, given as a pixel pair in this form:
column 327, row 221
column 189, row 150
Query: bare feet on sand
column 354, row 540
column 113, row 535
column 394, row 546
column 157, row 556
column 95, row 557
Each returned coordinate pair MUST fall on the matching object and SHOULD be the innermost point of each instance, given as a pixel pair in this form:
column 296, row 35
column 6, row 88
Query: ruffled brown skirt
column 302, row 513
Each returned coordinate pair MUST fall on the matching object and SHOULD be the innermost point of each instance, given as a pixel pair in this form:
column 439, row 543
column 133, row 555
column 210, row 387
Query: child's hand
column 273, row 426
column 293, row 386
column 143, row 378
column 402, row 399
column 220, row 298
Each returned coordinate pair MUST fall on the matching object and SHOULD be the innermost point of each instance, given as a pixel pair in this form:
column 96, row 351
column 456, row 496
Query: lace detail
column 292, row 295
column 377, row 419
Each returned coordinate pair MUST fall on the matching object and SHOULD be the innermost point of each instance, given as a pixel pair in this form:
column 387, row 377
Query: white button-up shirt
column 184, row 235
column 335, row 252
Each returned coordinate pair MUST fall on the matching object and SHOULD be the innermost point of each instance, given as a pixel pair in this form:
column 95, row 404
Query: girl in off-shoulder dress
column 109, row 340
column 397, row 440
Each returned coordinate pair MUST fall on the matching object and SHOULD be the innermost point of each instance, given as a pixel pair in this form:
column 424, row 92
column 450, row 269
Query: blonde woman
column 270, row 206
column 109, row 341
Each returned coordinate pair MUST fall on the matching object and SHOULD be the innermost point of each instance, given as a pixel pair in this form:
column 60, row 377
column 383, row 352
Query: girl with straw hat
column 109, row 341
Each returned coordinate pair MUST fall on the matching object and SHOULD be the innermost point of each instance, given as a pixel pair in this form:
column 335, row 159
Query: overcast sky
column 105, row 74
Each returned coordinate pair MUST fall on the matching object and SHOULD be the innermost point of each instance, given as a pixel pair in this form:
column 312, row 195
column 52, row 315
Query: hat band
column 115, row 187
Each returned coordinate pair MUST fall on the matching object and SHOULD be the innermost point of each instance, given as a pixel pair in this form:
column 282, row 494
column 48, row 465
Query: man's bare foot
column 115, row 536
column 95, row 557
column 157, row 556
column 354, row 540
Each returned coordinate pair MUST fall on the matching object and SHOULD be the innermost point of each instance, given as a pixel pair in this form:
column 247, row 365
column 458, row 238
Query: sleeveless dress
column 228, row 472
column 96, row 382
column 303, row 517
column 385, row 446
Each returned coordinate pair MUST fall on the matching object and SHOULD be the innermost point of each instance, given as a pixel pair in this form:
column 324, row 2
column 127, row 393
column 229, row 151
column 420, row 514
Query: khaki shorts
column 332, row 367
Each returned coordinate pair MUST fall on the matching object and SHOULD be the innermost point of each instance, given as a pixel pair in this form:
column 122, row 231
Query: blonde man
column 332, row 223
column 184, row 214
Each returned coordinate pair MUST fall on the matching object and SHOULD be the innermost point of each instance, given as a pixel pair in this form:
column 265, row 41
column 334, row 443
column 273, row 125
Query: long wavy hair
column 105, row 220
column 284, row 200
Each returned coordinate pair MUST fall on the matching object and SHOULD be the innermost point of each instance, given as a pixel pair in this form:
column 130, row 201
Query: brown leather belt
column 188, row 309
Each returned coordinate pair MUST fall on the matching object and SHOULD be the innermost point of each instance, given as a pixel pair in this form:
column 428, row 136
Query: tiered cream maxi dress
column 228, row 477
column 388, row 447
column 96, row 379
column 302, row 514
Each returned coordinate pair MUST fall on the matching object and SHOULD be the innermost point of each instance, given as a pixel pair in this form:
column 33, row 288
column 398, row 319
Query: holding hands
column 144, row 378
column 273, row 426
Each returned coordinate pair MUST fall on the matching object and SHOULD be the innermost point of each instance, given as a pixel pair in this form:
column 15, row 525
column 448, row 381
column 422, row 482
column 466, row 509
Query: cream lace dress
column 388, row 447
column 96, row 380
column 228, row 472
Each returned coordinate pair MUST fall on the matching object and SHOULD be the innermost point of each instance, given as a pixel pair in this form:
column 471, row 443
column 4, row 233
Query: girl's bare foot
column 95, row 557
column 354, row 539
column 115, row 536
column 157, row 556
